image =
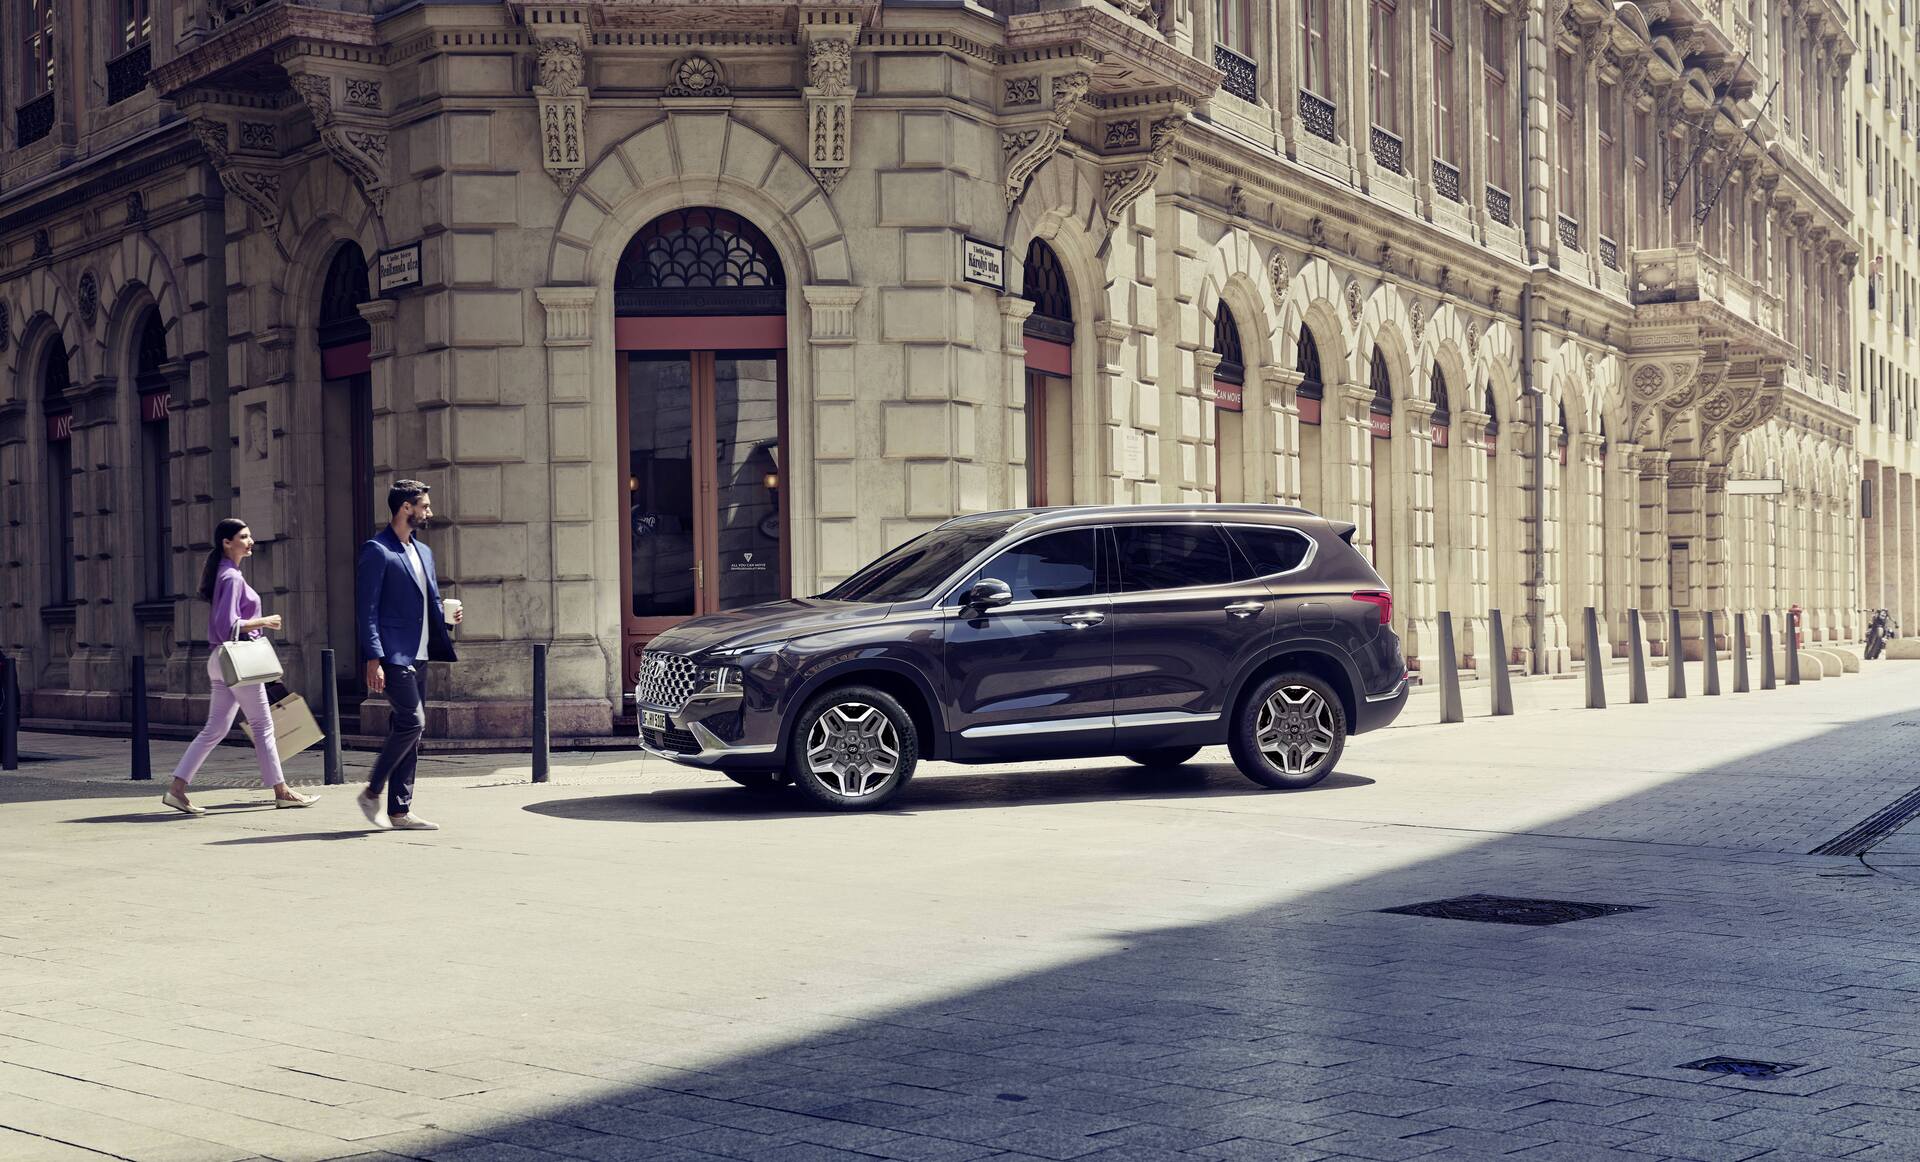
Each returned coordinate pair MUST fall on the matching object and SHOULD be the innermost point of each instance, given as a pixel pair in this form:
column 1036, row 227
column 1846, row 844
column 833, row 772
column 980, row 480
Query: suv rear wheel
column 853, row 748
column 1165, row 756
column 1289, row 732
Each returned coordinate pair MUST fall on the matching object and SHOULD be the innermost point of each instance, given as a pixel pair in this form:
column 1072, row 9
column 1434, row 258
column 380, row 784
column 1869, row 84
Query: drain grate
column 1864, row 835
column 1740, row 1066
column 1511, row 910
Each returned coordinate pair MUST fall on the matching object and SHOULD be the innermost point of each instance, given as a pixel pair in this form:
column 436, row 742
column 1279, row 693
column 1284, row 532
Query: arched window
column 1045, row 286
column 155, row 451
column 1437, row 391
column 1382, row 383
column 340, row 299
column 1561, row 439
column 1306, row 360
column 1226, row 344
column 1493, row 416
column 699, row 261
column 54, row 374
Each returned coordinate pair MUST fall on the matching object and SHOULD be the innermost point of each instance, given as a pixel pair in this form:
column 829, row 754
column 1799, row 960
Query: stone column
column 1653, row 585
column 1714, row 529
column 1282, row 420
column 1200, row 459
column 1686, row 523
column 1014, row 311
column 97, row 671
column 1420, row 590
column 1870, row 558
column 1351, row 497
column 1470, row 469
column 1909, row 578
column 1592, row 494
column 1623, row 550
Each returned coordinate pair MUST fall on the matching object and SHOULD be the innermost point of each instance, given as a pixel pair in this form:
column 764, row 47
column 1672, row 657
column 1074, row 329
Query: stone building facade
column 1515, row 288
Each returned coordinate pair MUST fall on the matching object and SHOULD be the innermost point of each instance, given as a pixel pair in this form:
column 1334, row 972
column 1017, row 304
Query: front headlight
column 746, row 651
column 716, row 680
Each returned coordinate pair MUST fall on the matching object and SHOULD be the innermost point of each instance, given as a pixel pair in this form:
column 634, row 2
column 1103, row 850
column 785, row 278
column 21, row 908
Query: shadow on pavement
column 301, row 837
column 933, row 792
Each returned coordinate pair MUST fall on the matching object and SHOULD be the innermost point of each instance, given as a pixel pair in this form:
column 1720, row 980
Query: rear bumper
column 1379, row 710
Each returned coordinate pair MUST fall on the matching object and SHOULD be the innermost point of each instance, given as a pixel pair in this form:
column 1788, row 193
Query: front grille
column 672, row 741
column 666, row 679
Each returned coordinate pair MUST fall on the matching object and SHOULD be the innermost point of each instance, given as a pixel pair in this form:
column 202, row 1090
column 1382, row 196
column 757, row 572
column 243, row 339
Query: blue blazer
column 387, row 604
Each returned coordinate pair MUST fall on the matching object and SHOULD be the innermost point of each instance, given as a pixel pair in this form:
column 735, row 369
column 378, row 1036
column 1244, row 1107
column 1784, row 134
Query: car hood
column 770, row 622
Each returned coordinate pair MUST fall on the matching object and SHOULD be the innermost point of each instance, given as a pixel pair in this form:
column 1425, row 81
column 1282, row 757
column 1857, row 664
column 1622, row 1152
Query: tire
column 758, row 780
column 1165, row 756
column 1875, row 643
column 879, row 748
column 1296, row 755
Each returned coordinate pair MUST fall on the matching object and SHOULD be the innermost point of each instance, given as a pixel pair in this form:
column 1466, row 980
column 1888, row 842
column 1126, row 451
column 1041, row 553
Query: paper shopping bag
column 294, row 728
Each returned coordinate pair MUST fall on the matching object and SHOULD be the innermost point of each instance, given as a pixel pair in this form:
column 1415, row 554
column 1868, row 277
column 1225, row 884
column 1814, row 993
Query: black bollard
column 1502, row 681
column 9, row 715
column 1710, row 682
column 142, row 757
column 1766, row 651
column 1636, row 659
column 1793, row 648
column 1596, row 665
column 1739, row 643
column 1450, row 710
column 1676, row 657
column 333, row 774
column 541, row 743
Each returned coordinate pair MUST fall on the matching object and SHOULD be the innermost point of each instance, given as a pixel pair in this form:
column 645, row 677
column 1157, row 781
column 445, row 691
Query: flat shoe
column 410, row 823
column 181, row 805
column 298, row 800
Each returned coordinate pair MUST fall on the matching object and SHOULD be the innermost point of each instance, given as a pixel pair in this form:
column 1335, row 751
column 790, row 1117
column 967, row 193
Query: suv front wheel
column 1289, row 732
column 853, row 748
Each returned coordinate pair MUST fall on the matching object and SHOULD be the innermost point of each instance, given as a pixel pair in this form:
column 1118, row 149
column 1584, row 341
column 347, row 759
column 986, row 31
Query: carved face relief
column 1279, row 273
column 830, row 65
column 562, row 64
column 1353, row 301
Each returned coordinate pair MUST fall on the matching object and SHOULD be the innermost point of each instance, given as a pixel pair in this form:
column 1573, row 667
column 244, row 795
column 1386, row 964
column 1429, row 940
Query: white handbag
column 248, row 661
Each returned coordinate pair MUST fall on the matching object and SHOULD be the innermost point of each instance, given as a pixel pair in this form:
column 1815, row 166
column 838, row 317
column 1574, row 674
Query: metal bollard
column 142, row 756
column 333, row 775
column 9, row 715
column 541, row 743
column 1636, row 659
column 1793, row 646
column 1740, row 685
column 1450, row 710
column 1711, row 681
column 1502, row 681
column 1766, row 651
column 1676, row 657
column 1596, row 665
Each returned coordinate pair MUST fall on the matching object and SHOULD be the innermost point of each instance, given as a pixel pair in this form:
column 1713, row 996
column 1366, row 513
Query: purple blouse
column 233, row 601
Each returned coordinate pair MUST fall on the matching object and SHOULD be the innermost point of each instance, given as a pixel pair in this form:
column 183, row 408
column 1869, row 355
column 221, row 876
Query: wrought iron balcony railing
column 33, row 120
column 1569, row 232
column 1317, row 114
column 1609, row 252
column 1388, row 151
column 1242, row 74
column 1446, row 180
column 1499, row 205
column 127, row 73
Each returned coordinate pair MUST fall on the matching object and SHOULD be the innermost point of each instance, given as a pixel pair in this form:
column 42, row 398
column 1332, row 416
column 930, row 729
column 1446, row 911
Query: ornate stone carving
column 363, row 93
column 1068, row 91
column 136, row 209
column 258, row 137
column 1649, row 382
column 563, row 62
column 1354, row 302
column 1473, row 339
column 258, row 187
column 829, row 94
column 1237, row 199
column 358, row 143
column 42, row 243
column 1121, row 188
column 696, row 76
column 1022, row 91
column 1317, row 231
column 1280, row 273
column 1417, row 321
column 1123, row 134
column 6, row 325
column 89, row 298
column 562, row 103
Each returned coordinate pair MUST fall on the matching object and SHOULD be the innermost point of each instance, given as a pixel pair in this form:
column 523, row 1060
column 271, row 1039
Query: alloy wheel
column 853, row 748
column 1295, row 729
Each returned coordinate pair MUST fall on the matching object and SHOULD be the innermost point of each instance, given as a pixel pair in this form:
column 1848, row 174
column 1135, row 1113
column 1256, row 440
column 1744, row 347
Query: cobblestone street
column 1085, row 960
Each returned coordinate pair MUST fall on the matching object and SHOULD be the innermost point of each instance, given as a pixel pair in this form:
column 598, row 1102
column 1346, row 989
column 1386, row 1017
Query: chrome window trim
column 1150, row 594
column 980, row 561
column 1313, row 547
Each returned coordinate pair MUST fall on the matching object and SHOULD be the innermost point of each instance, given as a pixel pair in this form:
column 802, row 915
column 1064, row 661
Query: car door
column 1187, row 618
column 1033, row 678
column 1281, row 559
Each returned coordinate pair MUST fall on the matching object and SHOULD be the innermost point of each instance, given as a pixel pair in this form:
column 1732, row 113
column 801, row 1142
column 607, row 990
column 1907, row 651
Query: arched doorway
column 55, row 378
column 156, row 484
column 1048, row 335
column 1380, row 512
column 1229, row 390
column 700, row 325
column 346, row 433
column 1309, row 398
column 1447, row 538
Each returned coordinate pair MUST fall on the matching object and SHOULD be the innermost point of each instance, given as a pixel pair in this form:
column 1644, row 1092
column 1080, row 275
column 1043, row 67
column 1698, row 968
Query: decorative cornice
column 1027, row 150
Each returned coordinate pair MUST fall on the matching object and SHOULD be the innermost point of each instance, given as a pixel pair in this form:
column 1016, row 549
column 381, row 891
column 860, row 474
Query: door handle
column 1245, row 608
column 1083, row 620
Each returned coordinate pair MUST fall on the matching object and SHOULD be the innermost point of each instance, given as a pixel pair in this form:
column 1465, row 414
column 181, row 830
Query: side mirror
column 985, row 594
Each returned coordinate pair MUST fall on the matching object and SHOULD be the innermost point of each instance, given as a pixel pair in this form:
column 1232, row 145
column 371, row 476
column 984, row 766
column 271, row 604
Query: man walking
column 401, row 627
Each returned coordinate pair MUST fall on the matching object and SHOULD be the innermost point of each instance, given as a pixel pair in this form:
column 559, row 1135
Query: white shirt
column 420, row 579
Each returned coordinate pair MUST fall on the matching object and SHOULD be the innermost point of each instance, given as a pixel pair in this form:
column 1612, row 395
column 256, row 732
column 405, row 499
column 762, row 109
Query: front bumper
column 710, row 731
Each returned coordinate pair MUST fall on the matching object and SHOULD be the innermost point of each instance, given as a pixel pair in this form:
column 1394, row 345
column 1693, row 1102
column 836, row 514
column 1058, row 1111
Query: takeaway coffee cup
column 450, row 606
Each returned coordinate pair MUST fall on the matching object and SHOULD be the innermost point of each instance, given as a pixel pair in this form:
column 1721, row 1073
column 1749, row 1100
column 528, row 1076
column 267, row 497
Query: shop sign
column 1382, row 425
column 399, row 268
column 1441, row 434
column 155, row 406
column 1133, row 454
column 983, row 263
column 747, row 564
column 59, row 427
column 1227, row 396
column 1310, row 411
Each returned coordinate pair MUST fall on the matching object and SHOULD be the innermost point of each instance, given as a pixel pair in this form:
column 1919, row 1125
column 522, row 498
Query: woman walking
column 236, row 608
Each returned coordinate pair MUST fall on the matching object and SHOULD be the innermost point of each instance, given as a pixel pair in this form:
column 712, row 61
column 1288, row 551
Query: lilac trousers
column 220, row 714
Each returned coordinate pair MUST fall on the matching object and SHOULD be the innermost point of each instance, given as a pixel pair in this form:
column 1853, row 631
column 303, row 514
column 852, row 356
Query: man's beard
column 416, row 522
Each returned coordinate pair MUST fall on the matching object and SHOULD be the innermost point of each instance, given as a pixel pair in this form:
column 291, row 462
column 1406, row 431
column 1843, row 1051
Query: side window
column 1272, row 550
column 1173, row 557
column 1058, row 565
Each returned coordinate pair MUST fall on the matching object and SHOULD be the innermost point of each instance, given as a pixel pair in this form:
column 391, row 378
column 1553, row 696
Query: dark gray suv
column 1144, row 631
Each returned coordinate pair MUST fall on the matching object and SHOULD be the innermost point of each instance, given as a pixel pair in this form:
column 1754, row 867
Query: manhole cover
column 1740, row 1067
column 1511, row 910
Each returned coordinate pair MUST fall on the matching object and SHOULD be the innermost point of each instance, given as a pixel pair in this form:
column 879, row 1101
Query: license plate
column 653, row 719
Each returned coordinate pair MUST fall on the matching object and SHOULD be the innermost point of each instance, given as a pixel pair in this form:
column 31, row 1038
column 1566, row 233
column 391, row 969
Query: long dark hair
column 223, row 532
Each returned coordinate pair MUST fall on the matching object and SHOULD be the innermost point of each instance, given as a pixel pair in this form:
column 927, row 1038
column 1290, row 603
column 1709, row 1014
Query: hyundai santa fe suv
column 1143, row 631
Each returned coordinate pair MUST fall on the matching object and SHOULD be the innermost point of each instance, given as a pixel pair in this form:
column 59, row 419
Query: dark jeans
column 407, row 695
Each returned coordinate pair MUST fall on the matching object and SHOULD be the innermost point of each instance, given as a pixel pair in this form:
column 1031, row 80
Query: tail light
column 1379, row 599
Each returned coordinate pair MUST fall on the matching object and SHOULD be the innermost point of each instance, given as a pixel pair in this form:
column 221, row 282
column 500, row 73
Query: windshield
column 916, row 568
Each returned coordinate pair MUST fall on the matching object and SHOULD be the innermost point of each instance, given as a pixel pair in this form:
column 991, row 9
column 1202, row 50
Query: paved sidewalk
column 1083, row 960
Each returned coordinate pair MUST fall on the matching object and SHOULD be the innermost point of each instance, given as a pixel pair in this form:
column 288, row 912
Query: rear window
column 1272, row 550
column 1180, row 556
